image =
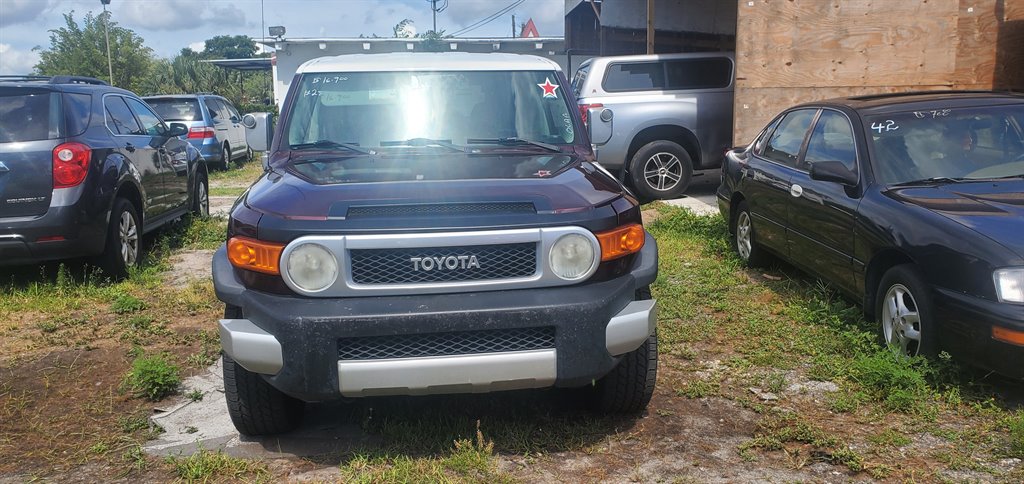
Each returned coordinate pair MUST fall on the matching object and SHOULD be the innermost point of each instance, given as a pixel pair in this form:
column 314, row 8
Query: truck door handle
column 796, row 190
column 130, row 147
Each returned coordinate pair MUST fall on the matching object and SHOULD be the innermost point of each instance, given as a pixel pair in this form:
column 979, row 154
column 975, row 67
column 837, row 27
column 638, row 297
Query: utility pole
column 650, row 27
column 106, row 34
column 434, row 8
column 513, row 25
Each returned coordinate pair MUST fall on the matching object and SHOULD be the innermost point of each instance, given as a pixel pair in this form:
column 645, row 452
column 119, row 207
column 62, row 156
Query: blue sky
column 169, row 25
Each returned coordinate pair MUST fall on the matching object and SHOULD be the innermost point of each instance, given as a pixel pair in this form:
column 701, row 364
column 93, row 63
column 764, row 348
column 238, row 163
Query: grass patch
column 153, row 377
column 227, row 191
column 207, row 466
column 238, row 176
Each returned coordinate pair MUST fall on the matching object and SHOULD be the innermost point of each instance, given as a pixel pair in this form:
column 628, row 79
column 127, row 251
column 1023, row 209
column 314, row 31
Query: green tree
column 434, row 41
column 229, row 47
column 81, row 50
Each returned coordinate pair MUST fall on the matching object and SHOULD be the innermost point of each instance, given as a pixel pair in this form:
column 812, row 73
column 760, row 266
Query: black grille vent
column 396, row 266
column 440, row 209
column 441, row 344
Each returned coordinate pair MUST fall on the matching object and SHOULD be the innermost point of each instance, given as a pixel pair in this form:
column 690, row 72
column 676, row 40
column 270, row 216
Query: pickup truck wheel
column 255, row 407
column 660, row 170
column 743, row 240
column 630, row 385
column 903, row 308
column 123, row 249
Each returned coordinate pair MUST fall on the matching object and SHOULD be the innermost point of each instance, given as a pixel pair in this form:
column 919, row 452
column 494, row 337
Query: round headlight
column 572, row 256
column 312, row 267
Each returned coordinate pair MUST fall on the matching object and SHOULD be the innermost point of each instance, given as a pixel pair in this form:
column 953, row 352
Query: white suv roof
column 422, row 61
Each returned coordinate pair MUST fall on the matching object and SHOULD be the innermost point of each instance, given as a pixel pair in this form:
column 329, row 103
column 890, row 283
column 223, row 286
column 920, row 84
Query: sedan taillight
column 70, row 164
column 201, row 132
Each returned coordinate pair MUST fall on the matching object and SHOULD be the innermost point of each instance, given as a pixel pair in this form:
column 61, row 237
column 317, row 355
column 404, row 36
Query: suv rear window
column 702, row 73
column 176, row 109
column 635, row 76
column 29, row 116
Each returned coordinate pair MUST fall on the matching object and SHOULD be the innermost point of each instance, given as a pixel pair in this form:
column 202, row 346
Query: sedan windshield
column 445, row 110
column 948, row 145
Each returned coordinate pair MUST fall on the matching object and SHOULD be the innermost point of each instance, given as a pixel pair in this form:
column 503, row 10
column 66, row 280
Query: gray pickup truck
column 654, row 119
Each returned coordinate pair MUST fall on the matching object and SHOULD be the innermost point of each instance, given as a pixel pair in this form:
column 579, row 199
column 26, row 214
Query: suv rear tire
column 123, row 249
column 660, row 170
column 629, row 386
column 256, row 407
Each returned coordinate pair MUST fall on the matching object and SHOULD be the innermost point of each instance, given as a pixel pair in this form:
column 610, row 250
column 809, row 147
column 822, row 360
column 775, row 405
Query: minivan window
column 176, row 109
column 384, row 109
column 77, row 112
column 784, row 144
column 579, row 78
column 151, row 123
column 700, row 73
column 119, row 118
column 635, row 76
column 29, row 116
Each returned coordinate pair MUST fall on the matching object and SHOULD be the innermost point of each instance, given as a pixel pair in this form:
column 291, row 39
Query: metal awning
column 251, row 64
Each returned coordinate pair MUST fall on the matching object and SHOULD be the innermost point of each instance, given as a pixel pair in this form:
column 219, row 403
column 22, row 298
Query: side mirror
column 177, row 129
column 833, row 171
column 259, row 130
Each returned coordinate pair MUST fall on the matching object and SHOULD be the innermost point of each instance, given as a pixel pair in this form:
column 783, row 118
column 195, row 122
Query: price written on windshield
column 932, row 114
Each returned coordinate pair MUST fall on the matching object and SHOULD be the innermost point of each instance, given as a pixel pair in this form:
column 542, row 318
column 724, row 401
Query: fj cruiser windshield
column 446, row 110
column 948, row 145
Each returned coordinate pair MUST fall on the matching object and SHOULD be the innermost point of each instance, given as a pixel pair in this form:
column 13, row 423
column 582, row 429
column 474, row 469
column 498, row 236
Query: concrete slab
column 700, row 196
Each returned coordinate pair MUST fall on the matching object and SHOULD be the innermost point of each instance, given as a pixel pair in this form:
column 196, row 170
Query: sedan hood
column 324, row 187
column 994, row 209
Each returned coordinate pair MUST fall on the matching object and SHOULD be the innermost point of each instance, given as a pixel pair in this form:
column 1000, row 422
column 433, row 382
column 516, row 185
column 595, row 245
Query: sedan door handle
column 796, row 190
column 130, row 147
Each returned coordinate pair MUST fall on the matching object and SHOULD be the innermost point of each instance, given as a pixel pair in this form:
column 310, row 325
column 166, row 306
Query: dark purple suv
column 86, row 169
column 431, row 223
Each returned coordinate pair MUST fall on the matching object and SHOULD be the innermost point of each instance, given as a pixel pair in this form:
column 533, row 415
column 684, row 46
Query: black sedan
column 912, row 204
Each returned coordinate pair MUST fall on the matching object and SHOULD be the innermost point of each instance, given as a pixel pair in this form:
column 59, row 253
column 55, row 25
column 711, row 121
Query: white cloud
column 18, row 11
column 179, row 14
column 198, row 46
column 15, row 62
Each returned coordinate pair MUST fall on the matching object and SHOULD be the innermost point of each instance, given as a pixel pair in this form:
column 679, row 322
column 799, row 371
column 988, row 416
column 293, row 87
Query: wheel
column 744, row 241
column 256, row 407
column 903, row 306
column 123, row 249
column 629, row 386
column 225, row 157
column 660, row 170
column 248, row 155
column 201, row 196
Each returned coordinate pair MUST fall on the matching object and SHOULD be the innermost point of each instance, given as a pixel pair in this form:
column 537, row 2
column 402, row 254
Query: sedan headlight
column 572, row 257
column 312, row 267
column 1010, row 285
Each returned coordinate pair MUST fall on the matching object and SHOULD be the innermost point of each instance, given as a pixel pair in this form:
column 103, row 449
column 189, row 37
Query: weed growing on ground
column 195, row 395
column 127, row 303
column 153, row 377
column 206, row 466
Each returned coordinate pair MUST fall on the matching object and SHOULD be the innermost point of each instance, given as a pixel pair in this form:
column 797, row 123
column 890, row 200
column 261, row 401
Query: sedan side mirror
column 177, row 129
column 833, row 171
column 259, row 130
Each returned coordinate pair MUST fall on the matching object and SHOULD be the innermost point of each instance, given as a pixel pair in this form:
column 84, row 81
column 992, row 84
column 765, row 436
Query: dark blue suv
column 86, row 169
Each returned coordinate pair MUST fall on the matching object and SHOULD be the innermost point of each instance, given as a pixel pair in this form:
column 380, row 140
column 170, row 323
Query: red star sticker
column 549, row 88
column 542, row 173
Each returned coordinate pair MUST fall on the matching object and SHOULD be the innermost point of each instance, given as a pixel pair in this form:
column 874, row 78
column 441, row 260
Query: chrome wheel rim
column 129, row 236
column 663, row 171
column 743, row 235
column 901, row 321
column 227, row 158
column 204, row 199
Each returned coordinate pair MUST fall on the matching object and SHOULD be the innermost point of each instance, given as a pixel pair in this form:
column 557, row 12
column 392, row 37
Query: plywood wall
column 793, row 51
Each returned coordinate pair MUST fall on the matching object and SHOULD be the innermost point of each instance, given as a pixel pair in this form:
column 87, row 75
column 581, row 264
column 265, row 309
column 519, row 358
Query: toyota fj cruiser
column 431, row 223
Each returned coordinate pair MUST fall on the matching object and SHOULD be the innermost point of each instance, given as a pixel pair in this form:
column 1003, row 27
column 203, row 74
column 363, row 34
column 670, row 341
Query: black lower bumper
column 966, row 331
column 61, row 233
column 308, row 329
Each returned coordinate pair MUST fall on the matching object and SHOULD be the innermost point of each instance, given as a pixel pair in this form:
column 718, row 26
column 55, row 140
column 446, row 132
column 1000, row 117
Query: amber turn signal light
column 1008, row 336
column 620, row 242
column 255, row 255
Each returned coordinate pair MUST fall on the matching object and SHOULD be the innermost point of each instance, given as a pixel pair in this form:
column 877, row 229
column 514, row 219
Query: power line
column 488, row 19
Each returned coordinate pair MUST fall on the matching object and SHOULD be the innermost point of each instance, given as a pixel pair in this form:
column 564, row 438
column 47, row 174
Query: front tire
column 628, row 388
column 903, row 308
column 201, row 196
column 123, row 249
column 660, row 170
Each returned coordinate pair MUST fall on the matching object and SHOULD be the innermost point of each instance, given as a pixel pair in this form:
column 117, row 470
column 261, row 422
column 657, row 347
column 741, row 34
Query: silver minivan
column 214, row 124
column 654, row 119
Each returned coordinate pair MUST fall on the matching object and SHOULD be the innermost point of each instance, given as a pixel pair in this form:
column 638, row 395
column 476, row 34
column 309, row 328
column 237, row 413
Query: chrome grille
column 396, row 266
column 439, row 209
column 442, row 344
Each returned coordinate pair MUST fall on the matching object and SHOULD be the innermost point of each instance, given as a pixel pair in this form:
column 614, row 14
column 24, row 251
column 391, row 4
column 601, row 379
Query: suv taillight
column 200, row 132
column 70, row 164
column 585, row 111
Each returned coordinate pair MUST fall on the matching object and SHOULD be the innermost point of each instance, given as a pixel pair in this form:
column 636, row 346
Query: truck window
column 703, row 73
column 635, row 76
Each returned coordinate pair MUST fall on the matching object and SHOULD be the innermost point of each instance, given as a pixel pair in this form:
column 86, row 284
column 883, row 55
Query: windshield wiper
column 932, row 180
column 425, row 142
column 512, row 142
column 328, row 144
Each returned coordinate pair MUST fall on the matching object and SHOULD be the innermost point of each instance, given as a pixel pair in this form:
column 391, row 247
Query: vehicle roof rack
column 77, row 80
column 24, row 78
